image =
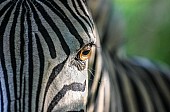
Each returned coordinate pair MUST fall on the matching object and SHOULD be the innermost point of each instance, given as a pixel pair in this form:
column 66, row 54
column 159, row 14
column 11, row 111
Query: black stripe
column 44, row 32
column 65, row 3
column 2, row 100
column 137, row 93
column 167, row 82
column 53, row 26
column 30, row 56
column 81, row 7
column 53, row 75
column 138, row 97
column 132, row 71
column 120, row 86
column 23, row 100
column 151, row 91
column 2, row 1
column 164, row 72
column 22, row 46
column 4, row 9
column 2, row 30
column 41, row 59
column 164, row 100
column 140, row 103
column 77, row 111
column 166, row 78
column 151, row 87
column 73, row 86
column 12, row 51
column 57, row 10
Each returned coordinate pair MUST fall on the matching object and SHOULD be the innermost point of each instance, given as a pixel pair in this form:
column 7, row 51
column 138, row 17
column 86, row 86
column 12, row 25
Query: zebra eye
column 85, row 53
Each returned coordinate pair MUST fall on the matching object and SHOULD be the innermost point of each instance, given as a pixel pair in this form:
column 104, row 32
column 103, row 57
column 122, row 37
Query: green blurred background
column 147, row 28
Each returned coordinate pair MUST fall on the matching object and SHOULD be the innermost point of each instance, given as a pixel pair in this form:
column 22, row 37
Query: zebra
column 44, row 51
column 121, row 84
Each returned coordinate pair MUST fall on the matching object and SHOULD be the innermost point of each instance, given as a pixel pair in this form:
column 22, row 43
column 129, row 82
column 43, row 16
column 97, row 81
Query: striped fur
column 121, row 84
column 38, row 41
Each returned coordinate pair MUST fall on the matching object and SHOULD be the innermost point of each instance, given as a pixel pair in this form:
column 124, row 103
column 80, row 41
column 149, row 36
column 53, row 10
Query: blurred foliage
column 147, row 28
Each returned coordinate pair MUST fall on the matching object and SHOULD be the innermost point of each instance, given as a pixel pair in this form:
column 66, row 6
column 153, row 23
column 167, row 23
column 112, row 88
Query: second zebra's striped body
column 122, row 84
column 39, row 43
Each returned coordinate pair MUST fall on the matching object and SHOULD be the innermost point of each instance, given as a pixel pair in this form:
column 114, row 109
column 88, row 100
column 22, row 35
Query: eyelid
column 83, row 57
column 91, row 44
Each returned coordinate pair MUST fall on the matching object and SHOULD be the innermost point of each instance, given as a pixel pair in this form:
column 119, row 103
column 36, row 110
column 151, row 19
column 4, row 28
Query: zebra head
column 44, row 49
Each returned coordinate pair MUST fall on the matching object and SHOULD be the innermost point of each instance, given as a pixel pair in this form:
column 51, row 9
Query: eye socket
column 85, row 53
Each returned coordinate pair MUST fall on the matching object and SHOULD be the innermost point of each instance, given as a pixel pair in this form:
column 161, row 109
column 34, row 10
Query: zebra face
column 44, row 49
